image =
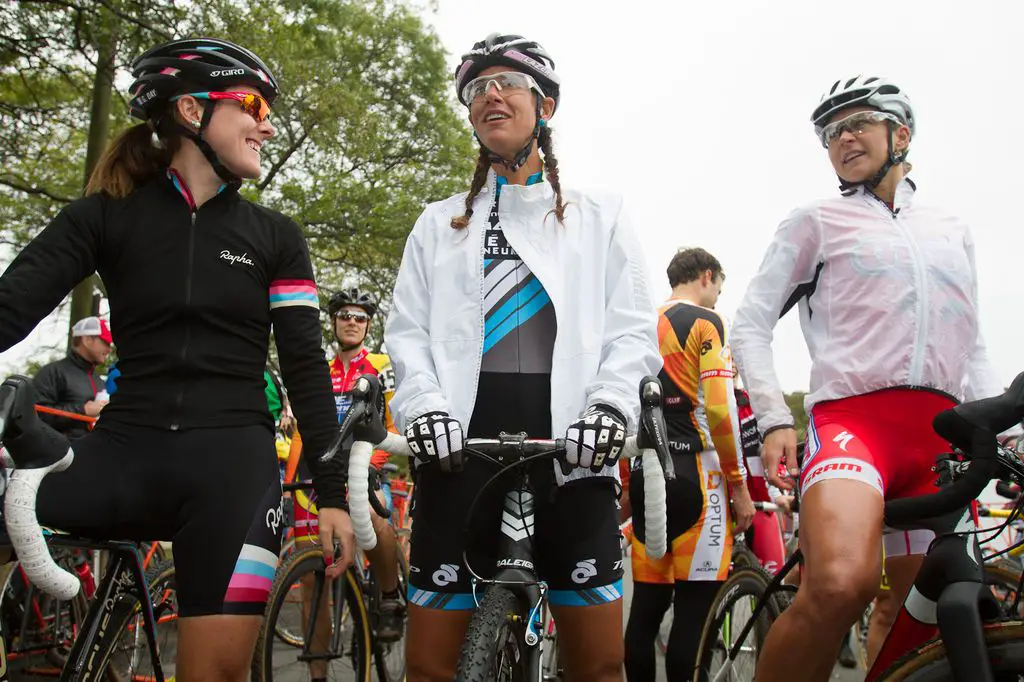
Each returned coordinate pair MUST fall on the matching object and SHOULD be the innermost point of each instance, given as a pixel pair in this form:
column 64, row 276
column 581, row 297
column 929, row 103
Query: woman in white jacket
column 530, row 315
column 887, row 294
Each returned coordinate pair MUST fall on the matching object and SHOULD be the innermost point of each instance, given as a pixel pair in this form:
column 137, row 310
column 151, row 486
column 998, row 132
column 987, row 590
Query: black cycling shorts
column 576, row 542
column 214, row 492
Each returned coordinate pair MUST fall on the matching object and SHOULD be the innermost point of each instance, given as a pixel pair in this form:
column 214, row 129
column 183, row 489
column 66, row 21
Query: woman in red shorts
column 887, row 294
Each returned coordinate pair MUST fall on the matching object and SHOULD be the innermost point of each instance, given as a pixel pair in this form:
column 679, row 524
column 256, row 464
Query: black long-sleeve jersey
column 193, row 294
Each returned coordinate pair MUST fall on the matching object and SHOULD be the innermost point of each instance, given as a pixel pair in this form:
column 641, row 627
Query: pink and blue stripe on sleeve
column 289, row 292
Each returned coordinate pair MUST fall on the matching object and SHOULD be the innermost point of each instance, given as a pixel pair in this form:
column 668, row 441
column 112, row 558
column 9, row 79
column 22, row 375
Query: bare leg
column 840, row 533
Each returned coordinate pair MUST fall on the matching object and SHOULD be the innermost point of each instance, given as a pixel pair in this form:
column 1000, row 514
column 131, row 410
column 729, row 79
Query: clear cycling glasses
column 855, row 124
column 506, row 82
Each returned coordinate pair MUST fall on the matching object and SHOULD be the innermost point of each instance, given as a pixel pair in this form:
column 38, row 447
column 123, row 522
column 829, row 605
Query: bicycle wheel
column 859, row 636
column 928, row 663
column 285, row 605
column 494, row 648
column 131, row 658
column 731, row 610
column 1003, row 577
column 391, row 655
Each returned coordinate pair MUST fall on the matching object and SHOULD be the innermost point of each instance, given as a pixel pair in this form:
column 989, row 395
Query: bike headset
column 522, row 55
column 877, row 93
column 194, row 65
column 353, row 297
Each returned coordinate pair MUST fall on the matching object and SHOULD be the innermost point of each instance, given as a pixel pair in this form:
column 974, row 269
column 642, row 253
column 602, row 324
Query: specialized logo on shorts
column 584, row 571
column 446, row 575
column 705, row 347
column 843, row 438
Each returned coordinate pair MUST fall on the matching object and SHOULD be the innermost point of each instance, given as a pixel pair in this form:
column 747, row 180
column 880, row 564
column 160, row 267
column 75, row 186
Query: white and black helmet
column 515, row 51
column 869, row 91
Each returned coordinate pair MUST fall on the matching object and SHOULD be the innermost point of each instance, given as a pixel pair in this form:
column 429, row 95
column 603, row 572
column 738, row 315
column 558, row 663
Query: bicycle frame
column 949, row 597
column 515, row 562
column 123, row 577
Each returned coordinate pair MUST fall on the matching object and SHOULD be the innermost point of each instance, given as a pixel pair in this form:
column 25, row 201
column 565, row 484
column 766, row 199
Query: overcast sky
column 698, row 114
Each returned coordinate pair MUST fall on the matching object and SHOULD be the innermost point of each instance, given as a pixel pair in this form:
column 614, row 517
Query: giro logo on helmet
column 227, row 72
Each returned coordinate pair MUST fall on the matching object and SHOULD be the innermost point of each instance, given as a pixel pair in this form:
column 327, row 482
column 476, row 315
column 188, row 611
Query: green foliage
column 795, row 401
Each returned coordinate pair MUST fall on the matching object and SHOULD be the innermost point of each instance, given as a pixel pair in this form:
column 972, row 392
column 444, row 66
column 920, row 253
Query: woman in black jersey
column 520, row 306
column 196, row 276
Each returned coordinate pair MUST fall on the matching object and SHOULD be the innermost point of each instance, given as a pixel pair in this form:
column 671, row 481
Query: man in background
column 71, row 384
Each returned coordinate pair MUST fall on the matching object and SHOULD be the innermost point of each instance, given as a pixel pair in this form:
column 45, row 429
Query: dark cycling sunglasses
column 349, row 315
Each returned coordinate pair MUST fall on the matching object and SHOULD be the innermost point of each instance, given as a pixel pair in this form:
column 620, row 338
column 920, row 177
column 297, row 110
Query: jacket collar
column 79, row 361
column 904, row 194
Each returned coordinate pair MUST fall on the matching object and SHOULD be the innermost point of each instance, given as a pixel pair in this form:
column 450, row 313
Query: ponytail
column 131, row 160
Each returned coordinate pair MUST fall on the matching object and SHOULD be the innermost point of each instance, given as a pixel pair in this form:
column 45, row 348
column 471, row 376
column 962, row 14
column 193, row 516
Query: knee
column 840, row 589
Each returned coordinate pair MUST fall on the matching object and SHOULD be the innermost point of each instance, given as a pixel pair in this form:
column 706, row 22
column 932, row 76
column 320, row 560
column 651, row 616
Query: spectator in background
column 70, row 384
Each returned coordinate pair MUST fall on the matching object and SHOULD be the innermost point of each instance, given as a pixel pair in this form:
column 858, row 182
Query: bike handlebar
column 42, row 450
column 359, row 488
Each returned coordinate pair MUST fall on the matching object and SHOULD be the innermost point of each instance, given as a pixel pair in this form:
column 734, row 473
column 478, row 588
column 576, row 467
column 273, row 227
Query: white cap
column 92, row 326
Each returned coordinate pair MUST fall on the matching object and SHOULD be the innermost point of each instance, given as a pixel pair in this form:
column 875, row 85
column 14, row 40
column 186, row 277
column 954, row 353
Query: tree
column 58, row 61
column 367, row 129
column 795, row 402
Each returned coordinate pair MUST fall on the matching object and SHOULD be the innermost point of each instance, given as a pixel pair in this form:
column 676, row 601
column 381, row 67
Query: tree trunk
column 83, row 303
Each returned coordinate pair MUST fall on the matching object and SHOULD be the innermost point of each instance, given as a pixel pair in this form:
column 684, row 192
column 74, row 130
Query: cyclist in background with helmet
column 351, row 312
column 887, row 294
column 196, row 276
column 481, row 291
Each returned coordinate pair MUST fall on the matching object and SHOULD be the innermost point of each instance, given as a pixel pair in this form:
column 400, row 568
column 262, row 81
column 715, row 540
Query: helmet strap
column 196, row 135
column 519, row 160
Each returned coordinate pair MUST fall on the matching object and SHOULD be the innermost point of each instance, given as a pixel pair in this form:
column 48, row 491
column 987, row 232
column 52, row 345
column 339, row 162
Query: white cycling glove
column 596, row 439
column 436, row 437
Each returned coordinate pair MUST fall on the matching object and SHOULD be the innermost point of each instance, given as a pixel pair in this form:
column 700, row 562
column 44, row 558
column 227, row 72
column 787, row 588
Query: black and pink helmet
column 194, row 63
column 514, row 51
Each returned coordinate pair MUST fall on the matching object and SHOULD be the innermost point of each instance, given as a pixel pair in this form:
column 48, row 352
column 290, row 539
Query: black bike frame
column 123, row 579
column 515, row 564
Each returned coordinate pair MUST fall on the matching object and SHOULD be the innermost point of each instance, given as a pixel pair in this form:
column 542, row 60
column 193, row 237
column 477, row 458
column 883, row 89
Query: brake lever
column 363, row 419
column 653, row 434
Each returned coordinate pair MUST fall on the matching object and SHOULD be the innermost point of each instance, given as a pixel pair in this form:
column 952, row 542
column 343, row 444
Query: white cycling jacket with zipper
column 887, row 298
column 592, row 269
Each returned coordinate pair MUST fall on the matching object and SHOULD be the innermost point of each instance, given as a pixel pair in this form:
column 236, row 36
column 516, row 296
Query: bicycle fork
column 516, row 572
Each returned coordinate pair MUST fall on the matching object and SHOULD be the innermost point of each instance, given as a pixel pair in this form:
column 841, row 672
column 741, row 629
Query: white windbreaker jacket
column 591, row 268
column 886, row 299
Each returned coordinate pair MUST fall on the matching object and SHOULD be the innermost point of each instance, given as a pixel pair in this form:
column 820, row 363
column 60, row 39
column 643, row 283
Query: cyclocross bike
column 103, row 648
column 505, row 640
